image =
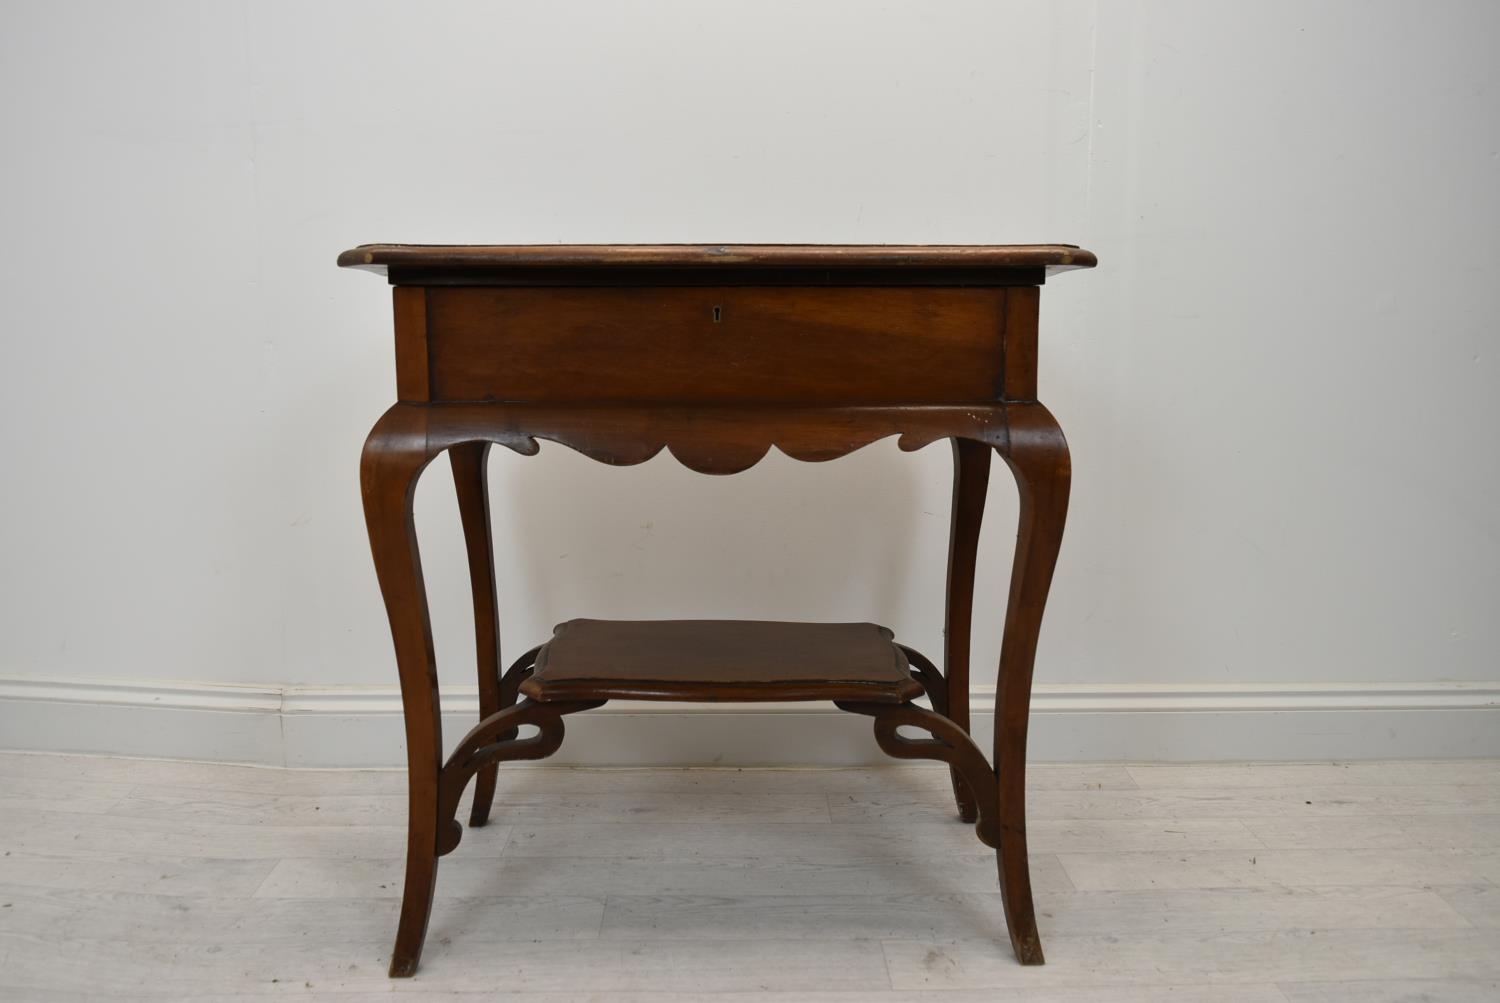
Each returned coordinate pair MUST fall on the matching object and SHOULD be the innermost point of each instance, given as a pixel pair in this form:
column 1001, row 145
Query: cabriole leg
column 1038, row 457
column 394, row 456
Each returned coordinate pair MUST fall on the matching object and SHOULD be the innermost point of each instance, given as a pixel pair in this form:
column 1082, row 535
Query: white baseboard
column 361, row 726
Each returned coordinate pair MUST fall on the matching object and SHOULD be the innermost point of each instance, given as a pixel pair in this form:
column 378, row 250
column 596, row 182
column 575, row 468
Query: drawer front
column 792, row 345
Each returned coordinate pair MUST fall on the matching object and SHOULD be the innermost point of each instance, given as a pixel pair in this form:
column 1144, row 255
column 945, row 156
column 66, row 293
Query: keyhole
column 718, row 314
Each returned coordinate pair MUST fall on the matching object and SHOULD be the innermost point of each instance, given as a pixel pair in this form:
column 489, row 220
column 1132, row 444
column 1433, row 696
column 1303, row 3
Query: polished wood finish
column 388, row 477
column 709, row 440
column 721, row 345
column 714, row 660
column 413, row 378
column 1018, row 362
column 726, row 257
column 471, row 483
column 493, row 741
column 971, row 479
column 716, row 353
column 1037, row 455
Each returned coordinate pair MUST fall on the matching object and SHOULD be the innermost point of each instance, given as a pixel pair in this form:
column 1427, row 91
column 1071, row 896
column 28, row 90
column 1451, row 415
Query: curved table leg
column 1038, row 457
column 469, row 461
column 971, row 478
column 393, row 458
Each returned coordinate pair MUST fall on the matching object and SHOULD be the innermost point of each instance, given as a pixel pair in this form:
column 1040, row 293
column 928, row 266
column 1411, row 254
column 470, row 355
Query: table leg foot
column 1015, row 895
column 416, row 896
column 414, row 910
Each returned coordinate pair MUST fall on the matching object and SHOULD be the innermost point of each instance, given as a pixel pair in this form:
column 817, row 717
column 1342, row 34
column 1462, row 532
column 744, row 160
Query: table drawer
column 734, row 344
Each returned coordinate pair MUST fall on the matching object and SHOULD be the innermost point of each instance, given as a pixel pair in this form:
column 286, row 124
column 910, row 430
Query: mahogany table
column 715, row 353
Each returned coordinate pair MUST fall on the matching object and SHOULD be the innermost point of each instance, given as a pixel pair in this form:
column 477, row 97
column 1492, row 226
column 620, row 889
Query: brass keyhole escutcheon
column 718, row 314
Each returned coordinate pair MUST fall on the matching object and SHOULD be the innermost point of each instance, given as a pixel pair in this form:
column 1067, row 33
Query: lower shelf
column 721, row 660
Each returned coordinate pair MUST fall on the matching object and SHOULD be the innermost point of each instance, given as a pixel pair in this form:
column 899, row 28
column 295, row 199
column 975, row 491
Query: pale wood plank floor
column 1303, row 883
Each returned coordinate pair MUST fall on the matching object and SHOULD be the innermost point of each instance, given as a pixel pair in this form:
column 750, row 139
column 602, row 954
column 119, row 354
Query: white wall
column 1280, row 386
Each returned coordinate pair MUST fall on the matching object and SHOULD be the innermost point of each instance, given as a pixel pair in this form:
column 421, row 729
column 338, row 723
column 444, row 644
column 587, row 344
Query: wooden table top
column 1051, row 257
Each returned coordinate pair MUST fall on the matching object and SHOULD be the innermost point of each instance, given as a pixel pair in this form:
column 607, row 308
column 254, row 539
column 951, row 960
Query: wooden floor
column 1366, row 882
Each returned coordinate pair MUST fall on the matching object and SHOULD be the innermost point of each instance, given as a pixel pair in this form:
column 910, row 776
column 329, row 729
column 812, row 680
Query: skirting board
column 361, row 726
